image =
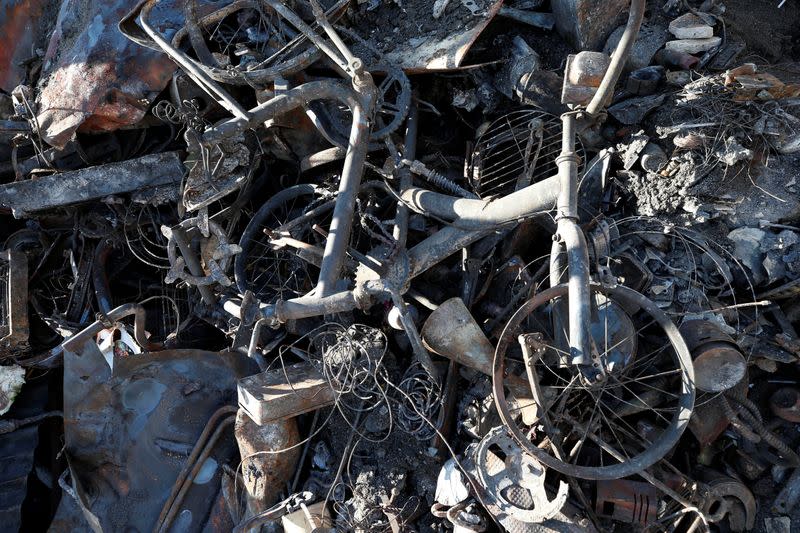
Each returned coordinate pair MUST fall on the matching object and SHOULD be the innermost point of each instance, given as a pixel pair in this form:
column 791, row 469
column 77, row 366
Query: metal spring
column 766, row 435
column 438, row 180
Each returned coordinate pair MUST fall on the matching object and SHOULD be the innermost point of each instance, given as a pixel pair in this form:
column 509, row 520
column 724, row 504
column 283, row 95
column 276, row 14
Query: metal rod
column 309, row 32
column 342, row 221
column 619, row 58
column 485, row 214
column 222, row 418
column 306, row 307
column 197, row 74
column 193, row 263
column 409, row 152
column 75, row 343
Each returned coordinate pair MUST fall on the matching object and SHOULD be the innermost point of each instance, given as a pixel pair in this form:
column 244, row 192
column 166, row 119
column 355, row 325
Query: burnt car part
column 718, row 362
column 101, row 406
column 163, row 171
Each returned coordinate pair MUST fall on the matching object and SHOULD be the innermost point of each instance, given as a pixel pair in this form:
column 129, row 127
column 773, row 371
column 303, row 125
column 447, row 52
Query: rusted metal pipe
column 309, row 306
column 485, row 214
column 74, row 343
column 619, row 58
column 192, row 263
column 571, row 237
column 409, row 152
column 440, row 246
column 222, row 418
column 281, row 104
column 342, row 221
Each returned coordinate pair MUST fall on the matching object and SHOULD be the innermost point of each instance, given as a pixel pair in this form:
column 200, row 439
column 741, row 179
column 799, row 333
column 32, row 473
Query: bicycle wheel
column 276, row 272
column 246, row 42
column 606, row 429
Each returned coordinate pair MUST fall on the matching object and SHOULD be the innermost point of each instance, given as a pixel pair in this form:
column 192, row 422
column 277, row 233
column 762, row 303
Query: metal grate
column 516, row 150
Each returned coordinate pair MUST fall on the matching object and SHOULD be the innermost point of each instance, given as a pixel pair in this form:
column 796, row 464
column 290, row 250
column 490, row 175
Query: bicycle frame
column 472, row 219
column 360, row 100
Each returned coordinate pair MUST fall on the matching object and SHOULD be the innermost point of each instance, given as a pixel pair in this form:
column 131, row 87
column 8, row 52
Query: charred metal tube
column 281, row 104
column 619, row 58
column 420, row 352
column 342, row 222
column 307, row 307
column 409, row 152
column 567, row 162
column 74, row 343
column 579, row 292
column 485, row 214
column 102, row 290
column 440, row 246
column 192, row 263
column 358, row 145
column 575, row 245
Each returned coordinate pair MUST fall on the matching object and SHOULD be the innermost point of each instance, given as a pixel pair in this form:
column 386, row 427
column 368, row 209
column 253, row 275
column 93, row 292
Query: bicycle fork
column 570, row 242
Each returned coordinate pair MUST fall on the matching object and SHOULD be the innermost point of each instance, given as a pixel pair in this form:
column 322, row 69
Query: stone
column 774, row 267
column 690, row 26
column 693, row 46
column 747, row 245
column 733, row 152
column 630, row 151
column 653, row 158
column 12, row 378
column 587, row 23
column 650, row 40
column 781, row 524
column 633, row 110
column 679, row 78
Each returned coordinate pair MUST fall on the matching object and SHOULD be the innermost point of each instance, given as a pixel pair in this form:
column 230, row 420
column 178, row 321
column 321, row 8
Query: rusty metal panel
column 95, row 79
column 128, row 431
column 23, row 27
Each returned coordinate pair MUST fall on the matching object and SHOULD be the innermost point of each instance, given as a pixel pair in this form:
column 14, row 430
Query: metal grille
column 516, row 150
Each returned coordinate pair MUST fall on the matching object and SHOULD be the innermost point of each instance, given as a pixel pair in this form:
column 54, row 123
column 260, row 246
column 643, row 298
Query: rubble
column 331, row 265
column 693, row 46
column 690, row 26
column 12, row 378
